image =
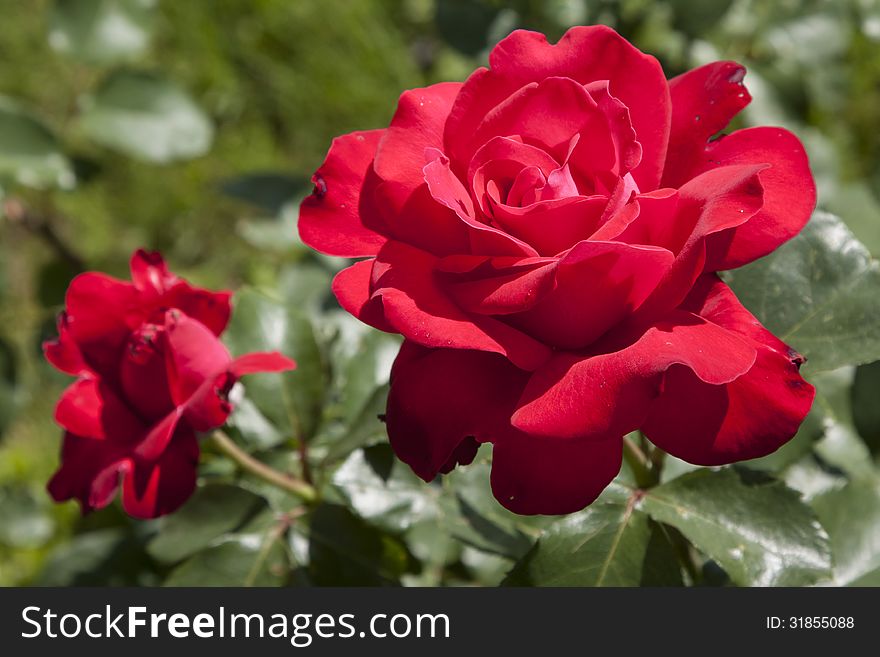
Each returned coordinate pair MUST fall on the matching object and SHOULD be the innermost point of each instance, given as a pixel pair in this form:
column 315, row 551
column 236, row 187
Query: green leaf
column 277, row 234
column 661, row 564
column 147, row 117
column 465, row 25
column 865, row 409
column 839, row 445
column 106, row 557
column 30, row 154
column 256, row 555
column 603, row 545
column 695, row 17
column 485, row 524
column 851, row 516
column 361, row 360
column 346, row 551
column 818, row 293
column 8, row 384
column 25, row 521
column 212, row 511
column 384, row 491
column 291, row 401
column 101, row 31
column 754, row 527
column 826, row 430
column 269, row 191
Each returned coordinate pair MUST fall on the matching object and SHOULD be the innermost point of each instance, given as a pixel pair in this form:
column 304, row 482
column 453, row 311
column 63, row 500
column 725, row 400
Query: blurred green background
column 193, row 128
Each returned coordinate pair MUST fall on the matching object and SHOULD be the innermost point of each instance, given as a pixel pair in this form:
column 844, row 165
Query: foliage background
column 193, row 128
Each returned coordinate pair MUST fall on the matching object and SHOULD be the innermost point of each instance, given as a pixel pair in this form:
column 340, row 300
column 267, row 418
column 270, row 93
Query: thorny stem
column 247, row 462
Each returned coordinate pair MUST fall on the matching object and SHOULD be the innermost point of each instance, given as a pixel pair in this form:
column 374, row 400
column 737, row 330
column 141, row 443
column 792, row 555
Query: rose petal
column 704, row 100
column 497, row 286
column 789, row 193
column 143, row 373
column 352, row 289
column 153, row 489
column 89, row 472
column 267, row 361
column 63, row 353
column 553, row 226
column 193, row 355
column 417, row 307
column 100, row 312
column 212, row 309
column 149, row 273
column 329, row 219
column 585, row 54
column 597, row 284
column 440, row 397
column 91, row 409
column 708, row 205
column 536, row 474
column 609, row 393
column 547, row 114
column 747, row 418
column 417, row 124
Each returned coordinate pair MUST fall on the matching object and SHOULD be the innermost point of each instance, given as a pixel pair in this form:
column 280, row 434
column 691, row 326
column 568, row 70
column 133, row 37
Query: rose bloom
column 546, row 236
column 152, row 373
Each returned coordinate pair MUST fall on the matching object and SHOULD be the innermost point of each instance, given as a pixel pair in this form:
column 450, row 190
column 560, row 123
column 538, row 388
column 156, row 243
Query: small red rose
column 546, row 236
column 152, row 374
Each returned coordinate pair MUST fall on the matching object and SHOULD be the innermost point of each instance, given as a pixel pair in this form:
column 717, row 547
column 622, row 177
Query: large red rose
column 152, row 374
column 546, row 236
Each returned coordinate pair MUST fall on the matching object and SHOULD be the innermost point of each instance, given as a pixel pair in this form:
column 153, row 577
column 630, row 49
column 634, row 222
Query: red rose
column 546, row 236
column 152, row 374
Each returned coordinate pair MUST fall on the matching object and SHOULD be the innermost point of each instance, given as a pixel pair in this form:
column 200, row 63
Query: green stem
column 638, row 463
column 248, row 463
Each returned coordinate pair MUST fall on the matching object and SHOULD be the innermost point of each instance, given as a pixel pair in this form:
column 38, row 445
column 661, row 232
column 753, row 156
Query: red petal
column 750, row 417
column 440, row 397
column 271, row 361
column 585, row 54
column 209, row 406
column 352, row 289
column 150, row 490
column 143, row 373
column 159, row 435
column 553, row 226
column 704, row 100
column 789, row 193
column 194, row 355
column 91, row 409
column 100, row 312
column 417, row 307
column 212, row 309
column 329, row 219
column 536, row 474
column 609, row 393
column 149, row 273
column 708, row 205
column 497, row 286
column 597, row 285
column 410, row 214
column 89, row 472
column 417, row 124
column 447, row 190
column 547, row 113
column 63, row 352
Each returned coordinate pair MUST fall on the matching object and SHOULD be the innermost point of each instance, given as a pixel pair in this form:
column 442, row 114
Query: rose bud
column 152, row 374
column 546, row 236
